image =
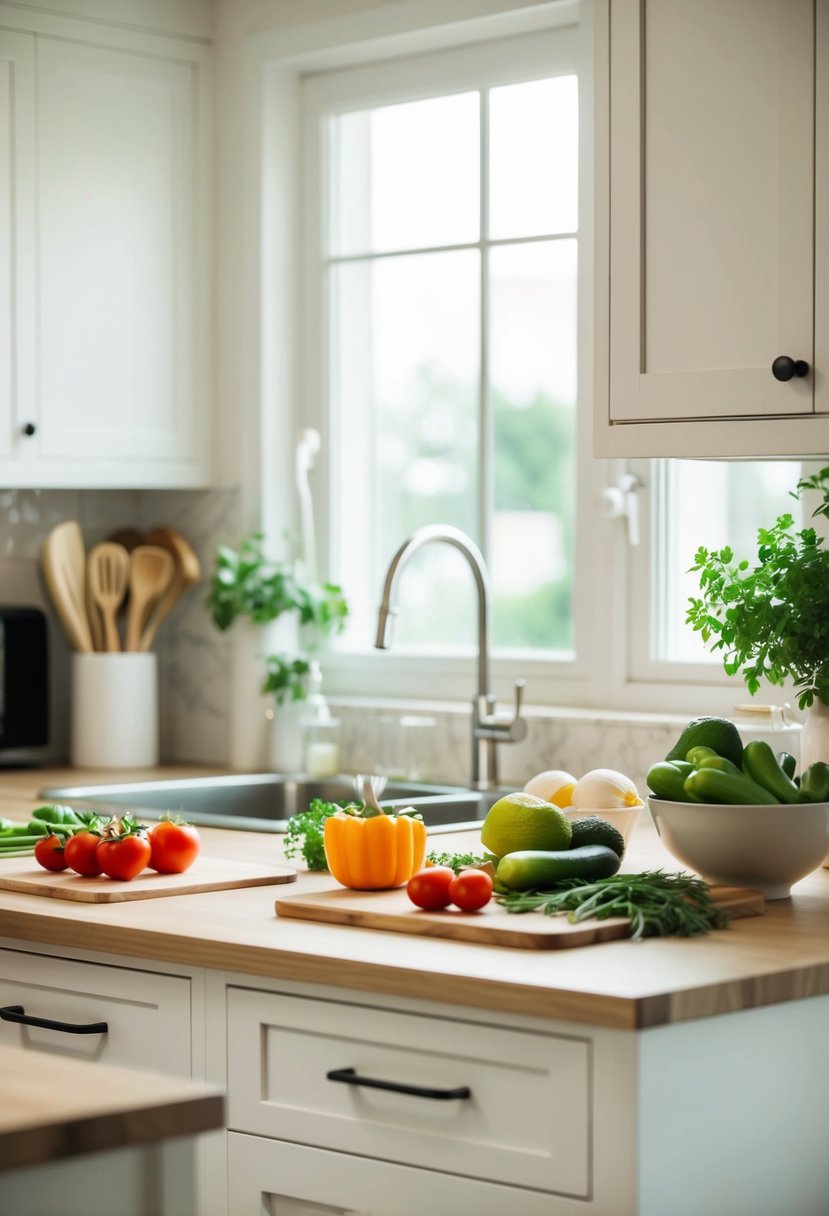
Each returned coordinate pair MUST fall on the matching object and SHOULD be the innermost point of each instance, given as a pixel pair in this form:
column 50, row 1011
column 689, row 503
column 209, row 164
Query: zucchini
column 536, row 870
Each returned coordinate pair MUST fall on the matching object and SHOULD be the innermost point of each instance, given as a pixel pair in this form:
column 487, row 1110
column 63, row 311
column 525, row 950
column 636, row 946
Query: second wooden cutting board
column 492, row 926
column 23, row 874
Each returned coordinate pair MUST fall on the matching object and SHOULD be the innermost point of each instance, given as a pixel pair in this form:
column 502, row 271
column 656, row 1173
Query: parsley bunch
column 770, row 620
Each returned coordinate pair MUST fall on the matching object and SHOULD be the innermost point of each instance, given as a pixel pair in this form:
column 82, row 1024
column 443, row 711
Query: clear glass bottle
column 320, row 730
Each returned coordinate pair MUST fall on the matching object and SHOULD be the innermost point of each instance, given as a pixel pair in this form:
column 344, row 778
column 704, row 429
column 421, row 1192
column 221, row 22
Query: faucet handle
column 492, row 725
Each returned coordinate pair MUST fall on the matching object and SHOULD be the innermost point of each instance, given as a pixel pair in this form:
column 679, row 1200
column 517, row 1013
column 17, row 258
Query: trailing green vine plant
column 771, row 619
column 247, row 583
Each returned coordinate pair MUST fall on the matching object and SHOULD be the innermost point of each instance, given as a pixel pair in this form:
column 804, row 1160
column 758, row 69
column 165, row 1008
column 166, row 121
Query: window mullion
column 485, row 472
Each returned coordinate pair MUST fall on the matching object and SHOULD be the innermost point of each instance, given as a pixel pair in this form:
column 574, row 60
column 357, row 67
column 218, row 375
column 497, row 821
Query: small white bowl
column 767, row 848
column 624, row 818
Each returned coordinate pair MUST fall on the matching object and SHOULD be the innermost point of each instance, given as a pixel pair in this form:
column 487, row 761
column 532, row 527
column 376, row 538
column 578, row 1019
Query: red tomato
column 81, row 851
column 429, row 888
column 124, row 857
column 49, row 853
column 175, row 846
column 471, row 889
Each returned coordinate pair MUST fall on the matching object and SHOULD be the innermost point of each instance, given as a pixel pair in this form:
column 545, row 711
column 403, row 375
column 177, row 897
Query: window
column 446, row 358
column 448, row 268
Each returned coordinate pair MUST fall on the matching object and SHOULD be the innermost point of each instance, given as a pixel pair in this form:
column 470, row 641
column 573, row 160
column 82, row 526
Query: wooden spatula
column 187, row 572
column 63, row 561
column 107, row 572
column 151, row 570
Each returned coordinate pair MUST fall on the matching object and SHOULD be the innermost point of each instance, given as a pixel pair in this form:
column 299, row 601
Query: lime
column 720, row 734
column 521, row 821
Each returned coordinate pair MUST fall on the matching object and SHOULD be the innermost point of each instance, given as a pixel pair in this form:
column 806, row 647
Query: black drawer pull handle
column 349, row 1077
column 16, row 1013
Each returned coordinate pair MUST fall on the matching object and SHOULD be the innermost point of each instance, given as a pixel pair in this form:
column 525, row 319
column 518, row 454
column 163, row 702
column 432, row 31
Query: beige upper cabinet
column 711, row 243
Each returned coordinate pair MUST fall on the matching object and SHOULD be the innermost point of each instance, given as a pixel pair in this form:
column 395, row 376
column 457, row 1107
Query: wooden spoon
column 151, row 570
column 187, row 572
column 107, row 571
column 63, row 561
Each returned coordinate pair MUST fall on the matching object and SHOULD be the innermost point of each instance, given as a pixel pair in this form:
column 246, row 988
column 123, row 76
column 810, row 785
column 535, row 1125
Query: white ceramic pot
column 814, row 738
column 285, row 738
column 114, row 711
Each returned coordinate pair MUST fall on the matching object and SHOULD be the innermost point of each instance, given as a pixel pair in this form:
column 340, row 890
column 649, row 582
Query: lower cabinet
column 94, row 1011
column 387, row 1109
column 271, row 1178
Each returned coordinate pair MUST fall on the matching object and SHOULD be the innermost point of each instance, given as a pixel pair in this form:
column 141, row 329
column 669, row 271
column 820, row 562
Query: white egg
column 553, row 785
column 604, row 789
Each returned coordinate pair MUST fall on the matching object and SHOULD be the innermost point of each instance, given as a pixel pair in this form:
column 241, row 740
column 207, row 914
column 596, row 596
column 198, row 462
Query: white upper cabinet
column 17, row 308
column 104, row 282
column 708, row 192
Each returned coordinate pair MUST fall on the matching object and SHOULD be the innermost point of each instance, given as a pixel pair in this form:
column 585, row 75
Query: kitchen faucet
column 489, row 728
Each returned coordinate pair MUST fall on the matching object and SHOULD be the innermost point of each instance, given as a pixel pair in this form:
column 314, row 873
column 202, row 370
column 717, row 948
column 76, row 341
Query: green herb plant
column 305, row 832
column 657, row 904
column 770, row 620
column 247, row 583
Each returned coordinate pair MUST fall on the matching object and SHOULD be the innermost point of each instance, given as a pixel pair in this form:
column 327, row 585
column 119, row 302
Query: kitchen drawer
column 267, row 1176
column 525, row 1121
column 147, row 1015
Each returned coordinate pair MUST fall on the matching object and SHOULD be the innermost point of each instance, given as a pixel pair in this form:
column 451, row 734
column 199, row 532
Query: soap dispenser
column 320, row 731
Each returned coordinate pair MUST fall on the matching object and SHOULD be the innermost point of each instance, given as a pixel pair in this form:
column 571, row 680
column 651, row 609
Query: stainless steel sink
column 263, row 802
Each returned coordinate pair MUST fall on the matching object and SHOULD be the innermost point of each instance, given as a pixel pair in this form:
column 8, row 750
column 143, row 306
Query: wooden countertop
column 53, row 1107
column 781, row 956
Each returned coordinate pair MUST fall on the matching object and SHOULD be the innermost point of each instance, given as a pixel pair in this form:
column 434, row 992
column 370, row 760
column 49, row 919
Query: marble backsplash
column 574, row 740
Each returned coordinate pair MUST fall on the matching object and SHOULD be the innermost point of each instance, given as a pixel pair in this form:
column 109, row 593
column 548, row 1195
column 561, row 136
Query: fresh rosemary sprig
column 657, row 904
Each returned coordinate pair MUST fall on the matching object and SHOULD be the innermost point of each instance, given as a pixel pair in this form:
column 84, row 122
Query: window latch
column 621, row 501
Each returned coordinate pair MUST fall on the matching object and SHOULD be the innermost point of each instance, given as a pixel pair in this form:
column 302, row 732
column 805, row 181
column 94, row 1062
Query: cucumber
column 535, row 870
column 762, row 766
column 712, row 785
column 666, row 780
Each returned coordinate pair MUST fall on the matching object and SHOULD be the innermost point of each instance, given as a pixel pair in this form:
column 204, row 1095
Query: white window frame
column 507, row 61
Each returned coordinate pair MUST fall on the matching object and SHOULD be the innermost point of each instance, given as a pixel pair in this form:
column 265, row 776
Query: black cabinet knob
column 28, row 429
column 784, row 368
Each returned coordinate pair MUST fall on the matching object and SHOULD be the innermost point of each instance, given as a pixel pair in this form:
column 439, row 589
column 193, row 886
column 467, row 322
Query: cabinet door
column 17, row 258
column 269, row 1178
column 147, row 1015
column 117, row 149
column 712, row 106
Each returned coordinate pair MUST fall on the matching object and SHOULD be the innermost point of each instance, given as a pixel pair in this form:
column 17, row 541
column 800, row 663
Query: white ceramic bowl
column 625, row 818
column 767, row 848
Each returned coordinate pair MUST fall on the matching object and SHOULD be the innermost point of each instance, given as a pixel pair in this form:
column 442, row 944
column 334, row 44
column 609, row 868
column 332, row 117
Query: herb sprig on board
column 461, row 861
column 657, row 904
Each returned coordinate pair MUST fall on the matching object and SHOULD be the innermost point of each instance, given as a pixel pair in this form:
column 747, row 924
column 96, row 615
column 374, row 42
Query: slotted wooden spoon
column 107, row 572
column 151, row 570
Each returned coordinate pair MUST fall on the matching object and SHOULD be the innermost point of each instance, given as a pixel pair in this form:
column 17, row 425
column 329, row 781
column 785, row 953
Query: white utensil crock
column 114, row 711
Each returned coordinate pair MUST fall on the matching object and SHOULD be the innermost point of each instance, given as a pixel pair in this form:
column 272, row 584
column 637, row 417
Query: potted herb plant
column 248, row 584
column 770, row 620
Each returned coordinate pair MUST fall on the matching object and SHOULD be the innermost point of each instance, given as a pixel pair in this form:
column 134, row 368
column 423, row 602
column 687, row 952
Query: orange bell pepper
column 372, row 852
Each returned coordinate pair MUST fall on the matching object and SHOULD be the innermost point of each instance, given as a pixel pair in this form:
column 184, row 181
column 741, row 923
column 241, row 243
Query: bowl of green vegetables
column 756, row 825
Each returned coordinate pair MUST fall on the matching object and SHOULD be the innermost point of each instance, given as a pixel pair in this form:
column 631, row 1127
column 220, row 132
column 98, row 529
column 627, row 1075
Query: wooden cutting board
column 207, row 874
column 492, row 926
